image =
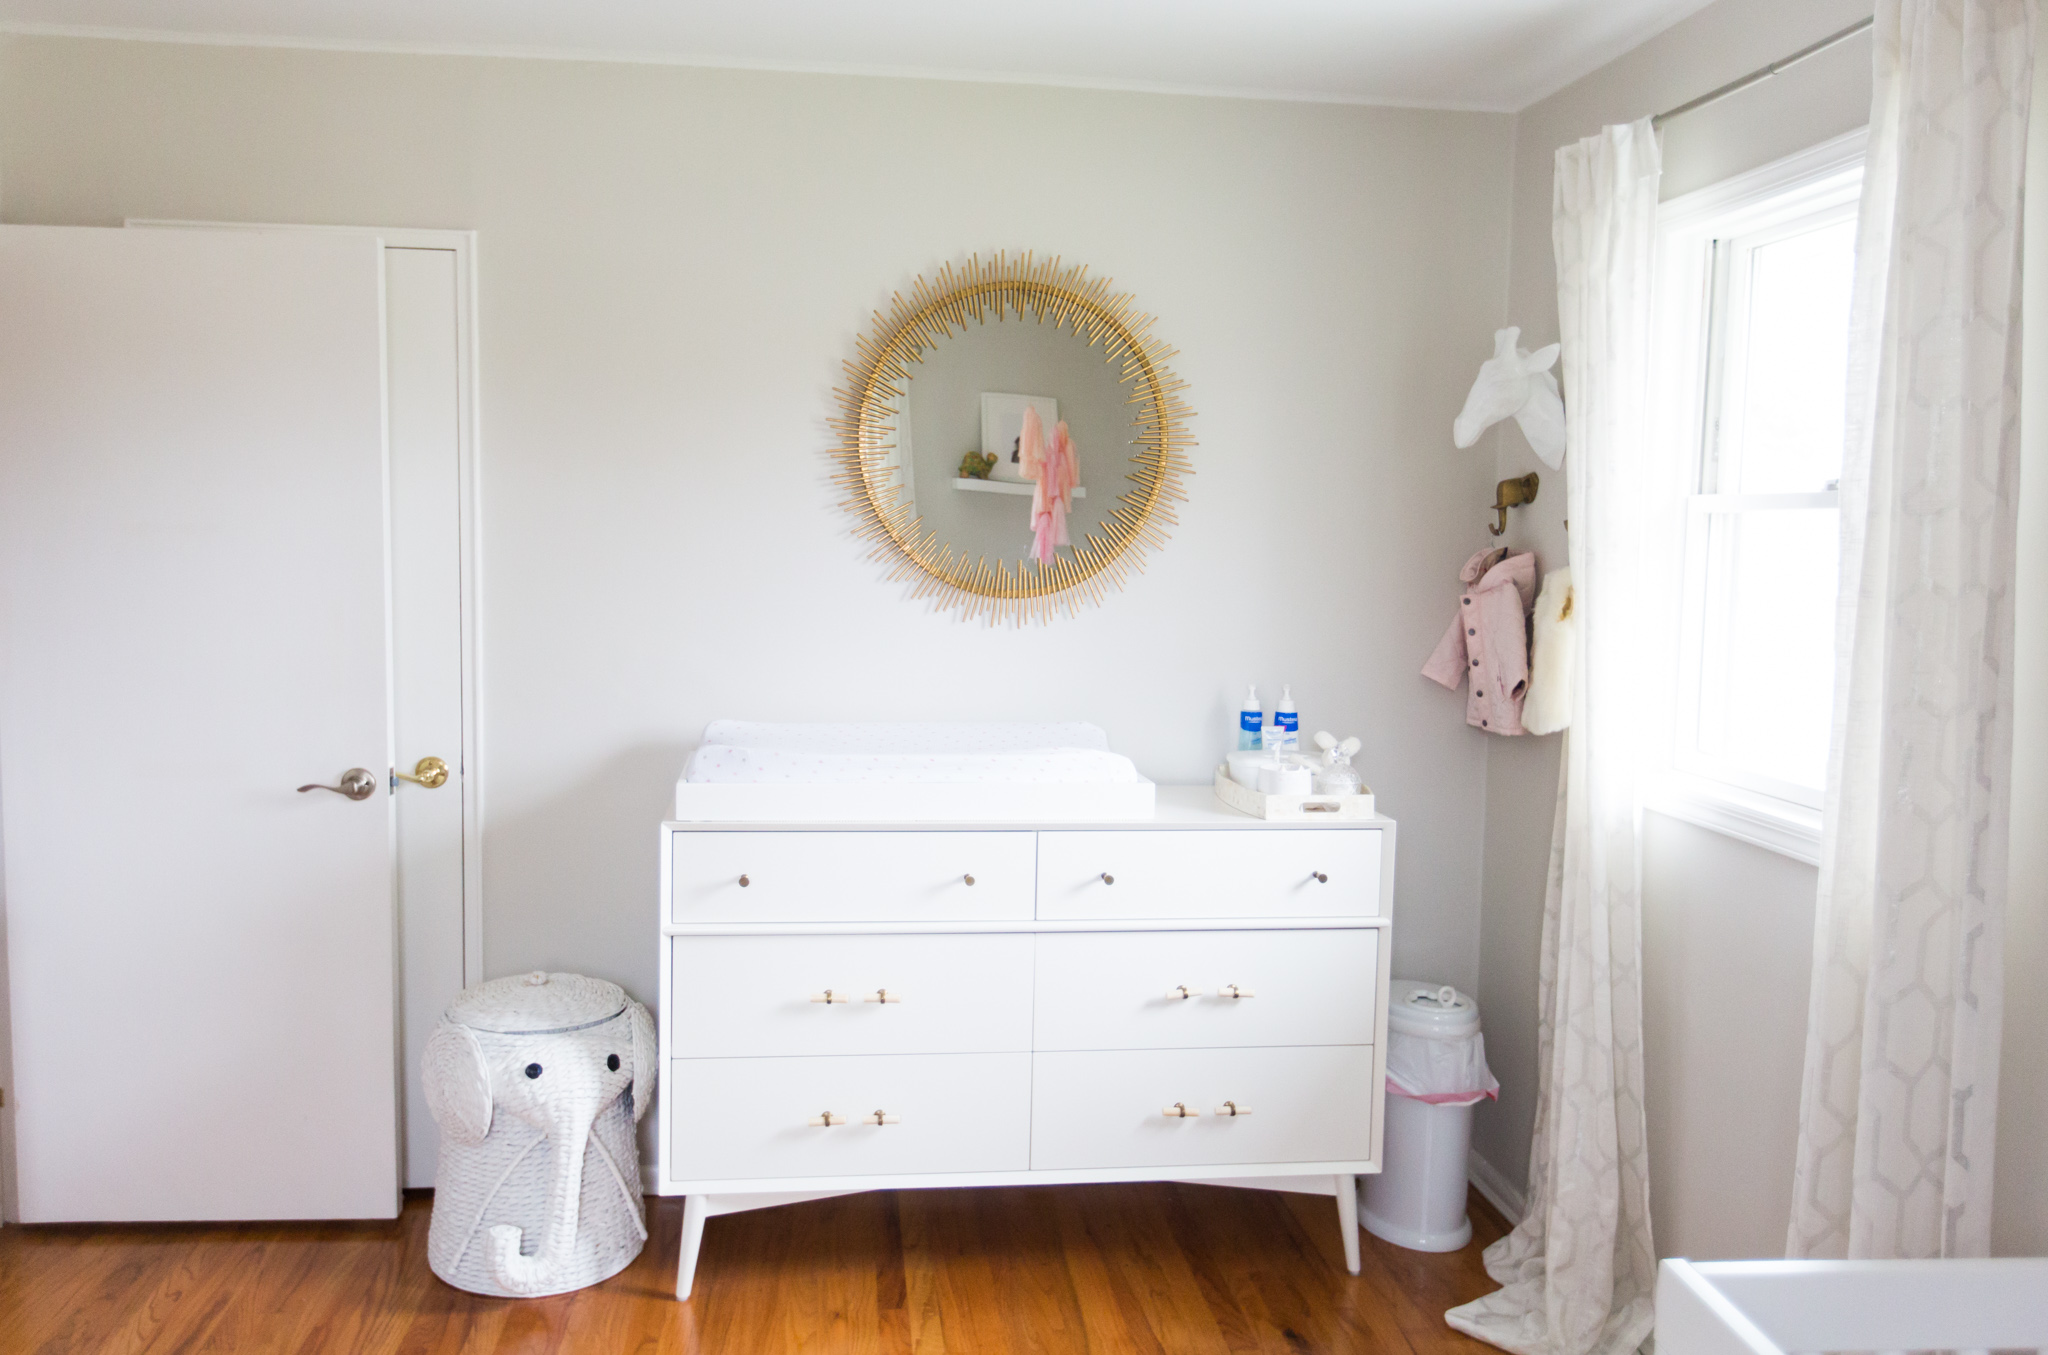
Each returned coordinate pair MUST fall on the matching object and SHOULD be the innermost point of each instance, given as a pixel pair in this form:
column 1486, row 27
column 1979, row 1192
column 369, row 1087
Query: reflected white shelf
column 1004, row 487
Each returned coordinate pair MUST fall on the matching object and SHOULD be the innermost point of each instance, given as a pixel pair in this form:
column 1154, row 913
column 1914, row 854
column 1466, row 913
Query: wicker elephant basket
column 537, row 1082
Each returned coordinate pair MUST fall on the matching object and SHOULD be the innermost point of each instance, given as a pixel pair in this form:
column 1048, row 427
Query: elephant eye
column 533, row 1070
column 612, row 1063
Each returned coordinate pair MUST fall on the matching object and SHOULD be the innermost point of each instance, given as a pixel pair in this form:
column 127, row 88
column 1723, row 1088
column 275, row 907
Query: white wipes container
column 1436, row 1073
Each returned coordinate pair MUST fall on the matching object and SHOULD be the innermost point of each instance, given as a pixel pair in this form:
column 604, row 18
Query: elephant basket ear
column 646, row 1054
column 457, row 1083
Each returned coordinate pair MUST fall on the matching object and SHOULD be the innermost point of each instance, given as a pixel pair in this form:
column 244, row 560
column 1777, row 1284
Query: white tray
column 1260, row 805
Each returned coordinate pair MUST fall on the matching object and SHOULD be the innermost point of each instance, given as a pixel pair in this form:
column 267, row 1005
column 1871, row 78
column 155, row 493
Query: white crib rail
column 1775, row 1307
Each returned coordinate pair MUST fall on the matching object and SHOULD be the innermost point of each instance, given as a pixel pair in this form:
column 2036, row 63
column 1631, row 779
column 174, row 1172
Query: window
column 1753, row 360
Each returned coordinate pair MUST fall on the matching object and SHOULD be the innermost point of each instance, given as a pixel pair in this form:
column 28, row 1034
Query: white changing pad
column 740, row 752
column 961, row 772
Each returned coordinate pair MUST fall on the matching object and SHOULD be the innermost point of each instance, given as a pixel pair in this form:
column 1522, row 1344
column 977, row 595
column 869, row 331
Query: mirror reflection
column 963, row 438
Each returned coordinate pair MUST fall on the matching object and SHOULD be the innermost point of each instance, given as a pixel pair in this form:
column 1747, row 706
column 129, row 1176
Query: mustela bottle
column 1289, row 720
column 1249, row 722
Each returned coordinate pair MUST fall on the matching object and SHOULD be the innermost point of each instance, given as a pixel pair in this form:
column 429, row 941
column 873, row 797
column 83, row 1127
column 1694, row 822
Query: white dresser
column 1196, row 996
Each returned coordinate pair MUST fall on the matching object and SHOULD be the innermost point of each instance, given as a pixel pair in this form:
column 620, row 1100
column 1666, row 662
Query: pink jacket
column 1489, row 639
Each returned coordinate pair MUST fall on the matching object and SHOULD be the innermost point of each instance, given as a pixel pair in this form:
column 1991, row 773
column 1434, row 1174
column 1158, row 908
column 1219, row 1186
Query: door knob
column 358, row 783
column 430, row 772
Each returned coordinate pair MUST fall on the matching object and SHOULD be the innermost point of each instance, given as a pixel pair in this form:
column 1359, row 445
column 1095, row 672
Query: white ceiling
column 1487, row 54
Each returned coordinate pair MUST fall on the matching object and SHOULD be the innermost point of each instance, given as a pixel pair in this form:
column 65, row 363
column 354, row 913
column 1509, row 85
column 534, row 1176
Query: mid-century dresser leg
column 693, row 1238
column 1347, row 1219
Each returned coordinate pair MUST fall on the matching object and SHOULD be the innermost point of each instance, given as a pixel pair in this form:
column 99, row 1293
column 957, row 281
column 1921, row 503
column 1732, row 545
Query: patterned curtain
column 1578, row 1271
column 1900, row 1098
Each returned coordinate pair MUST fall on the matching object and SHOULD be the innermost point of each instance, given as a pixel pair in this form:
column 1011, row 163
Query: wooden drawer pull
column 1180, row 1110
column 1182, row 993
column 830, row 996
column 744, row 882
column 1233, row 1109
column 883, row 995
column 1233, row 991
column 827, row 1120
column 881, row 1117
column 1107, row 878
column 1320, row 878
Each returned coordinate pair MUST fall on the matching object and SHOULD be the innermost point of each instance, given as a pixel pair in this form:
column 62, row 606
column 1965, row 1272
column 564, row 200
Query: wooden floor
column 1172, row 1269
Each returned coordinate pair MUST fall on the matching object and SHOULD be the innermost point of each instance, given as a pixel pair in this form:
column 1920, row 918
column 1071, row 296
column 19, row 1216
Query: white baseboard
column 1507, row 1198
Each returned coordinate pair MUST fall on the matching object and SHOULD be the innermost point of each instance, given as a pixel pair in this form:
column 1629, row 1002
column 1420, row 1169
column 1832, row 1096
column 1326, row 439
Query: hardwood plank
column 1103, row 1270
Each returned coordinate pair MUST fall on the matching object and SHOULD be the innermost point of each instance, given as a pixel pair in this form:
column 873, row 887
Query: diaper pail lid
column 529, row 1004
column 1431, row 1009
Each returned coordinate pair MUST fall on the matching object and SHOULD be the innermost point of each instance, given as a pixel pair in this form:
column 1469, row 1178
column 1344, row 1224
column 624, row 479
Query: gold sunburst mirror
column 936, row 438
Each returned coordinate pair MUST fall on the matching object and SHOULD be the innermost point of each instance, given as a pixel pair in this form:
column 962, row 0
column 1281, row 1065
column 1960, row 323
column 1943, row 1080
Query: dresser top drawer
column 1204, row 873
column 863, row 876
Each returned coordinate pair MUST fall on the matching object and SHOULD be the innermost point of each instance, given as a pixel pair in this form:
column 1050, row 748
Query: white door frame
column 463, row 243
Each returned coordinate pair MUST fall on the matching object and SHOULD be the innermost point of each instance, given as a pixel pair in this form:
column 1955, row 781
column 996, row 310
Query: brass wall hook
column 1512, row 494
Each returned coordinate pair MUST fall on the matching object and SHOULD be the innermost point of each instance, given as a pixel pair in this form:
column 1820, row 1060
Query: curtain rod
column 1764, row 73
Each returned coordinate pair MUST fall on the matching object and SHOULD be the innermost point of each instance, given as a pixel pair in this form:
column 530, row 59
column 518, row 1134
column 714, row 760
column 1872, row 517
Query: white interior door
column 430, row 377
column 193, row 622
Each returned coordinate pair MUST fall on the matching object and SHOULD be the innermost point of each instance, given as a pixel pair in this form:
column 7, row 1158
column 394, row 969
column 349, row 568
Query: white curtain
column 1578, row 1271
column 1900, row 1097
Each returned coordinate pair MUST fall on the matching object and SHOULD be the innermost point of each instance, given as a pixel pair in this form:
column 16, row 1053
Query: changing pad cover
column 742, row 752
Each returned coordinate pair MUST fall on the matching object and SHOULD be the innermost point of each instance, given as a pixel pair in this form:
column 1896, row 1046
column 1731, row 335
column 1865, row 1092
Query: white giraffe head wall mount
column 1516, row 383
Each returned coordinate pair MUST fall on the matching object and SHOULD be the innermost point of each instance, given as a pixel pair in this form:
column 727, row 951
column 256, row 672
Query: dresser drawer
column 1104, row 1109
column 741, row 1119
column 752, row 995
column 851, row 877
column 1110, row 990
column 1302, row 872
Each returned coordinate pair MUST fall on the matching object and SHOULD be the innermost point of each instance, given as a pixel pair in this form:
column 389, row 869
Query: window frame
column 1698, row 236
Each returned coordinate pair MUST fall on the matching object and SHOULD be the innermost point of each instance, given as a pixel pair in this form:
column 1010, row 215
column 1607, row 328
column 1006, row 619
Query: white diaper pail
column 1436, row 1073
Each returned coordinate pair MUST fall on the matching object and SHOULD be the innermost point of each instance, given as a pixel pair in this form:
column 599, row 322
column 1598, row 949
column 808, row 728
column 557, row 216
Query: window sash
column 1700, row 546
column 1697, row 235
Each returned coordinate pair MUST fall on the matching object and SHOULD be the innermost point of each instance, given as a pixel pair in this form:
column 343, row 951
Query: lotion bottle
column 1289, row 720
column 1250, row 721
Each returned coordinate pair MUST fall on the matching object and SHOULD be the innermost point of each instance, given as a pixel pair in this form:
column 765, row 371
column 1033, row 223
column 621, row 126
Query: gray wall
column 673, row 266
column 2019, row 1219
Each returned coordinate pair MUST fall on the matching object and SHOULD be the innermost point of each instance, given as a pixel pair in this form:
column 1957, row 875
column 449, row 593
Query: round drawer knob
column 1107, row 878
column 744, row 882
column 1321, row 878
column 969, row 879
